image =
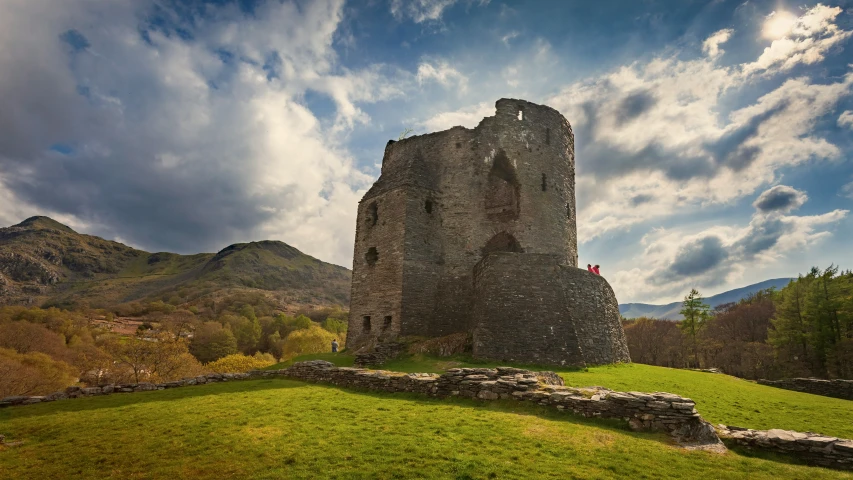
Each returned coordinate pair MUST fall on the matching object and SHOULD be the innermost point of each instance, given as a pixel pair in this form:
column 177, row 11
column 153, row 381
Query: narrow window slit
column 544, row 182
column 428, row 206
column 372, row 214
column 365, row 325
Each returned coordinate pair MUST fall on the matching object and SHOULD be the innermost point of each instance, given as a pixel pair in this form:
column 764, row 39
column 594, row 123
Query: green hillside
column 45, row 262
column 288, row 429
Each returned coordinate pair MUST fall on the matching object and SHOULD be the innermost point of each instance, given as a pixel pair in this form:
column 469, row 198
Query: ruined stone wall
column 512, row 177
column 377, row 279
column 813, row 448
column 829, row 388
column 528, row 308
column 592, row 307
column 521, row 313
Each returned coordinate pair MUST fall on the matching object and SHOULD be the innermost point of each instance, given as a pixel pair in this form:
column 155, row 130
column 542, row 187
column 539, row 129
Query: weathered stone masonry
column 811, row 447
column 443, row 205
column 836, row 388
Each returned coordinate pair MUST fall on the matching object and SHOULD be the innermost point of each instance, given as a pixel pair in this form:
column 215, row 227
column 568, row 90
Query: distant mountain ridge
column 670, row 311
column 43, row 262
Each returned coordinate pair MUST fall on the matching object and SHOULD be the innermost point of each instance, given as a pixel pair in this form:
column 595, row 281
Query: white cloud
column 441, row 72
column 183, row 144
column 675, row 260
column 711, row 46
column 847, row 191
column 420, row 10
column 807, row 42
column 509, row 36
column 846, row 119
column 468, row 118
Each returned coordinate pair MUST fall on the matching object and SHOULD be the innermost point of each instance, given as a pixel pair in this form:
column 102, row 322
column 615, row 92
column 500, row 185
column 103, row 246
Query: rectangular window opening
column 387, row 322
column 544, row 182
column 366, row 323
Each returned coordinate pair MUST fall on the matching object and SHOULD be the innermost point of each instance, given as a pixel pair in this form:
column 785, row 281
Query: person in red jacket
column 589, row 267
column 595, row 270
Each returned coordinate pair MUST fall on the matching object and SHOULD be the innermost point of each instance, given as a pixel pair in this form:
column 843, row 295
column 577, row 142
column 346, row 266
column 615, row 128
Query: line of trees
column 43, row 350
column 805, row 329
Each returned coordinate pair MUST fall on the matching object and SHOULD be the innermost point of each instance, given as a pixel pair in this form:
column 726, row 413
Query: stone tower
column 463, row 221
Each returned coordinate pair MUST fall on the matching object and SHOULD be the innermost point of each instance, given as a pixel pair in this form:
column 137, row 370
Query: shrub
column 313, row 339
column 240, row 363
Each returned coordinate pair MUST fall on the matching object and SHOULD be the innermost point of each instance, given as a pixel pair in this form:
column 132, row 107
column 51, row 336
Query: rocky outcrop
column 23, row 268
column 814, row 448
column 829, row 388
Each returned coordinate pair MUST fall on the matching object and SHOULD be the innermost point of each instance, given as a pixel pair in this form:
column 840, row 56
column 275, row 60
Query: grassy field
column 276, row 428
column 719, row 398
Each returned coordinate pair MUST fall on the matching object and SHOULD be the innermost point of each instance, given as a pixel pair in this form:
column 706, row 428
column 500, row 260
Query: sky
column 713, row 140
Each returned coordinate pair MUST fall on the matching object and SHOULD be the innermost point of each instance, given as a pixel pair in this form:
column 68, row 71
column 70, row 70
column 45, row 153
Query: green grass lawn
column 276, row 428
column 719, row 398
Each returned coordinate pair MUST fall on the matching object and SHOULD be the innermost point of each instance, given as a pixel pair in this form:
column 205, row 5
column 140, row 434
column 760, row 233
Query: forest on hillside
column 804, row 329
column 43, row 350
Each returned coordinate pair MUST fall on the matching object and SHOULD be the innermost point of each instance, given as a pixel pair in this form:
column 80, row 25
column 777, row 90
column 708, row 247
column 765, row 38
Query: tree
column 276, row 345
column 313, row 339
column 655, row 342
column 212, row 341
column 160, row 357
column 32, row 373
column 695, row 313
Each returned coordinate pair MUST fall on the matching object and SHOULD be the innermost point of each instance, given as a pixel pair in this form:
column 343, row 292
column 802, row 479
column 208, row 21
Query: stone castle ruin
column 474, row 230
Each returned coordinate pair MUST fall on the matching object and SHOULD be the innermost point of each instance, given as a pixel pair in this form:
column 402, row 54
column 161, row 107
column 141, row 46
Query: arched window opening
column 372, row 214
column 502, row 190
column 371, row 256
column 502, row 242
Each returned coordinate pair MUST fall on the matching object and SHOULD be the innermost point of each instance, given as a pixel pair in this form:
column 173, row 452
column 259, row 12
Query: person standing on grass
column 335, row 346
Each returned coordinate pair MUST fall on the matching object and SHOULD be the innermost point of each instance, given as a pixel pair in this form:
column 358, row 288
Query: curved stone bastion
column 475, row 231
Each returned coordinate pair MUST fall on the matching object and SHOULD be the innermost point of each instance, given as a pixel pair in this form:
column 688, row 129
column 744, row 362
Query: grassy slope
column 287, row 429
column 719, row 398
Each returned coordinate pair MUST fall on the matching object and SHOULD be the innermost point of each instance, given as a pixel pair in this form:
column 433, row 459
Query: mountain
column 43, row 262
column 670, row 311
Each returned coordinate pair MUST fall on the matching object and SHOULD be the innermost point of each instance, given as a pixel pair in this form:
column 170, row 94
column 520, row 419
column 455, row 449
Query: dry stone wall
column 643, row 411
column 829, row 388
column 814, row 448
